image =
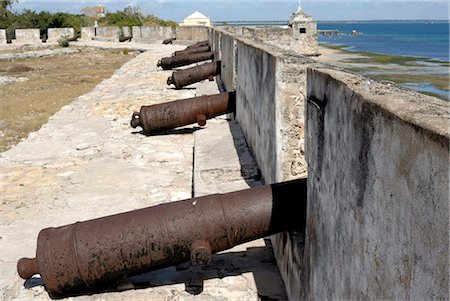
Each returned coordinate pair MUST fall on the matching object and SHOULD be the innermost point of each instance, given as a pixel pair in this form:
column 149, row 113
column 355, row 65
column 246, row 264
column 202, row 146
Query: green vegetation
column 63, row 42
column 130, row 16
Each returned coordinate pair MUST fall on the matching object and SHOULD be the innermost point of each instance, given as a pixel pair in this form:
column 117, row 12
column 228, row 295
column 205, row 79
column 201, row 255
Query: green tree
column 134, row 11
column 120, row 19
column 6, row 3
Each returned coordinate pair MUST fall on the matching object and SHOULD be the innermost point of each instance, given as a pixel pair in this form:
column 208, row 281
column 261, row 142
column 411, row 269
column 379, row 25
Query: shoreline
column 423, row 75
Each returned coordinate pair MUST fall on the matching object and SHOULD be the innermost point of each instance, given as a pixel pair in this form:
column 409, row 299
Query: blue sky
column 225, row 10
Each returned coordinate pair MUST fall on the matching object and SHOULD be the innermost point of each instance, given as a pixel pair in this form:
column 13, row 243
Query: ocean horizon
column 425, row 38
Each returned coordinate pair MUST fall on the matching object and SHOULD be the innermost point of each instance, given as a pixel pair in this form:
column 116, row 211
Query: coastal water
column 428, row 39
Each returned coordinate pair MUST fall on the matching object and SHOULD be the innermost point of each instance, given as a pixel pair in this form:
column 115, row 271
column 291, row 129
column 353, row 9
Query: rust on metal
column 186, row 77
column 192, row 50
column 89, row 256
column 125, row 38
column 198, row 44
column 168, row 41
column 201, row 252
column 168, row 63
column 169, row 115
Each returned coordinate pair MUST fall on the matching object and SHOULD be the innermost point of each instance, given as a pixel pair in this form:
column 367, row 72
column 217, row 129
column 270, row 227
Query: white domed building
column 196, row 19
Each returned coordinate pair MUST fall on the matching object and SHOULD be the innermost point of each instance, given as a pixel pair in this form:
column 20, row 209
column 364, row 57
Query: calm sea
column 426, row 39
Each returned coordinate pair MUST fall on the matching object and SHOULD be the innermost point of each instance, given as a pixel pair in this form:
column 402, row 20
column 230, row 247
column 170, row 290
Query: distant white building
column 196, row 19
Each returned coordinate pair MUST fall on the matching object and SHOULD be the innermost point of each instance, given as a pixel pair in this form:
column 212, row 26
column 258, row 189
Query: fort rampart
column 377, row 158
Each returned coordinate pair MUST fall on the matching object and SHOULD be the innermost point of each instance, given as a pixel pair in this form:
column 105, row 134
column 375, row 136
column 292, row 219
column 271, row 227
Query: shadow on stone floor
column 256, row 260
column 177, row 131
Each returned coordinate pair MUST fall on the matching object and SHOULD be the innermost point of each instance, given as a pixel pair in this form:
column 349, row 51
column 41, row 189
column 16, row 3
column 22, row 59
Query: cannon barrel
column 198, row 44
column 192, row 50
column 92, row 255
column 168, row 63
column 126, row 38
column 186, row 77
column 168, row 41
column 169, row 115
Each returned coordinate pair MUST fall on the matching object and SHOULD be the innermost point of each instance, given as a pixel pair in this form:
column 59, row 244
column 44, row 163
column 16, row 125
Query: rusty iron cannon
column 169, row 115
column 198, row 44
column 168, row 63
column 90, row 256
column 192, row 50
column 186, row 77
column 168, row 41
column 125, row 39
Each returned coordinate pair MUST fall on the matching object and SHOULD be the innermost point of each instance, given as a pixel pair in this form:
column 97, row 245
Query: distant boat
column 356, row 33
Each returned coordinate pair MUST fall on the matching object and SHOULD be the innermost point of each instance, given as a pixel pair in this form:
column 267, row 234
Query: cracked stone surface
column 87, row 162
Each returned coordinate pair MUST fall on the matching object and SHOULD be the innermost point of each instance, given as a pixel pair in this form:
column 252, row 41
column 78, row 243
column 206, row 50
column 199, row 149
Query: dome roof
column 197, row 15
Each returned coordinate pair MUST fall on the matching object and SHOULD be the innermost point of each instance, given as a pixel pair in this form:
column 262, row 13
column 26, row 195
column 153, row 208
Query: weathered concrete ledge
column 377, row 156
column 378, row 190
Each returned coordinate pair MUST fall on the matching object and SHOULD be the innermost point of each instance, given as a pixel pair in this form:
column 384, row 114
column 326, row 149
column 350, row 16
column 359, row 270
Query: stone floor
column 87, row 162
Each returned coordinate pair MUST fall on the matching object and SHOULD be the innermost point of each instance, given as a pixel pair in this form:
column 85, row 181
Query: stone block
column 2, row 36
column 87, row 33
column 54, row 34
column 108, row 33
column 28, row 36
column 147, row 34
column 192, row 33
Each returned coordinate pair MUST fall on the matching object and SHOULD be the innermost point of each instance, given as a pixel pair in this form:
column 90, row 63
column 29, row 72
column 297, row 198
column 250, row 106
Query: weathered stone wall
column 147, row 34
column 377, row 219
column 305, row 38
column 54, row 34
column 271, row 88
column 228, row 68
column 111, row 33
column 87, row 33
column 378, row 191
column 108, row 32
column 285, row 38
column 192, row 33
column 28, row 36
column 2, row 36
column 281, row 37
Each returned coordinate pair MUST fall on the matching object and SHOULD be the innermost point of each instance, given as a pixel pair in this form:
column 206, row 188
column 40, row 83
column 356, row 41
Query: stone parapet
column 2, row 36
column 54, row 34
column 28, row 36
column 378, row 190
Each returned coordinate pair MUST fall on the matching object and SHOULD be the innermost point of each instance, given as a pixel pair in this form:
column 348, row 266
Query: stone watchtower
column 304, row 32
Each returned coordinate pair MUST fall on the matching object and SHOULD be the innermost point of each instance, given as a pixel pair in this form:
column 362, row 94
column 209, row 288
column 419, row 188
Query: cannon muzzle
column 89, row 256
column 168, row 63
column 169, row 115
column 168, row 41
column 186, row 77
